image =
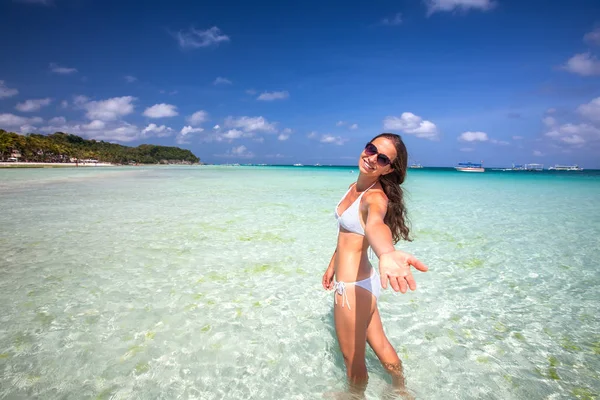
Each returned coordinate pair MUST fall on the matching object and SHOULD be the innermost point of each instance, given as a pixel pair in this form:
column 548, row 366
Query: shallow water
column 204, row 282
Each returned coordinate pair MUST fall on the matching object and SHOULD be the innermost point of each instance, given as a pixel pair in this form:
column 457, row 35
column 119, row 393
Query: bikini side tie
column 340, row 287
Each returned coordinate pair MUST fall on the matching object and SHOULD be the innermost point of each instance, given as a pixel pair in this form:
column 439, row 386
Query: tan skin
column 360, row 323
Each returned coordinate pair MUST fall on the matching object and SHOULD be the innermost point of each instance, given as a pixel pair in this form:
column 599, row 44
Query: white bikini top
column 350, row 219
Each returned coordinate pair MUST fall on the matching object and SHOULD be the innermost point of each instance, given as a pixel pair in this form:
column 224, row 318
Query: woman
column 372, row 213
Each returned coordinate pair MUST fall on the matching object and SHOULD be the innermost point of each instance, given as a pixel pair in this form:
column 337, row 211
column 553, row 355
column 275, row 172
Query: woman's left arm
column 394, row 265
column 377, row 232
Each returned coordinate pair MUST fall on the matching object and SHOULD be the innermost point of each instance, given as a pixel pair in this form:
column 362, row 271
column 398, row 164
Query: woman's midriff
column 351, row 261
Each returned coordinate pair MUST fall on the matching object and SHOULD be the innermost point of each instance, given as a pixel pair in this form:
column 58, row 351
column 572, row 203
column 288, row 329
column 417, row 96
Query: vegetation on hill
column 61, row 147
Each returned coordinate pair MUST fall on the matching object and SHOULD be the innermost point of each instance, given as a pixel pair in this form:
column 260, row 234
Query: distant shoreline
column 19, row 164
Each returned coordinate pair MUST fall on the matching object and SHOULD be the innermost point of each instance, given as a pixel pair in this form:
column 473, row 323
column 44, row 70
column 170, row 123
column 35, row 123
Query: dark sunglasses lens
column 370, row 149
column 383, row 160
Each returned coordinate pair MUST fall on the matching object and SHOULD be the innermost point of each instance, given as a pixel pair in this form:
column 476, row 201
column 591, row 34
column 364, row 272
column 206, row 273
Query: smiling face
column 369, row 164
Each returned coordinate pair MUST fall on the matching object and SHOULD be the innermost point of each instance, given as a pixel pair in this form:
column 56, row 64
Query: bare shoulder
column 376, row 196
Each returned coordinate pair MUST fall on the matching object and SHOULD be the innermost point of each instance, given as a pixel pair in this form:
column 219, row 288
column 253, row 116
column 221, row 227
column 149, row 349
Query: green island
column 64, row 148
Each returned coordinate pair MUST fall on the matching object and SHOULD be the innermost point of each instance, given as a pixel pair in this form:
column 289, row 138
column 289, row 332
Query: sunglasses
column 382, row 159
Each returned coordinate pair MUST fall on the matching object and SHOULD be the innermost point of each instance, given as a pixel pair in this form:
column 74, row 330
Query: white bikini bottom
column 372, row 284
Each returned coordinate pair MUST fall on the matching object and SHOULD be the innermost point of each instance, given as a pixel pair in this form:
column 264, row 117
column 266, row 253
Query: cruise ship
column 526, row 167
column 469, row 167
column 558, row 167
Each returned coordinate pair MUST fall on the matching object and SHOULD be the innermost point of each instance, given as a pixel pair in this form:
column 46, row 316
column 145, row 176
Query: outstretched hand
column 395, row 267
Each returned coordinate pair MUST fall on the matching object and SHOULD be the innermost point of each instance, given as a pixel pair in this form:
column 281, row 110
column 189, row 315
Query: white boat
column 469, row 167
column 415, row 165
column 534, row 167
column 526, row 167
column 558, row 167
column 298, row 165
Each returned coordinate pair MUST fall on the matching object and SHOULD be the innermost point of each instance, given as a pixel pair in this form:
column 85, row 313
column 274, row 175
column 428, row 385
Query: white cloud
column 340, row 123
column 593, row 37
column 171, row 93
column 330, row 139
column 413, row 125
column 549, row 121
column 58, row 121
column 28, row 129
column 270, row 96
column 185, row 133
column 194, row 38
column 251, row 92
column 354, row 127
column 285, row 134
column 7, row 92
column 466, row 149
column 222, row 81
column 573, row 139
column 473, row 137
column 94, row 125
column 64, row 104
column 186, row 130
column 232, row 134
column 57, row 69
column 33, row 105
column 122, row 133
column 434, row 6
column 237, row 152
column 99, row 130
column 395, row 20
column 155, row 130
column 577, row 134
column 251, row 124
column 106, row 110
column 590, row 110
column 80, row 100
column 327, row 138
column 499, row 142
column 161, row 111
column 537, row 153
column 11, row 120
column 574, row 134
column 216, row 127
column 241, row 151
column 198, row 117
column 518, row 137
column 130, row 78
column 584, row 64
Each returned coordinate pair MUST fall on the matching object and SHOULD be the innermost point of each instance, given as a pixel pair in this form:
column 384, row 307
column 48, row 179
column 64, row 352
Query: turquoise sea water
column 204, row 283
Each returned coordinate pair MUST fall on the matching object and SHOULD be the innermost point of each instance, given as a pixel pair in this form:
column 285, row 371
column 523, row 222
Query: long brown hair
column 396, row 217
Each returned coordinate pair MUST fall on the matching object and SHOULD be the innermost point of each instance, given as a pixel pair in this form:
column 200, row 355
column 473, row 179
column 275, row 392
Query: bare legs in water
column 355, row 328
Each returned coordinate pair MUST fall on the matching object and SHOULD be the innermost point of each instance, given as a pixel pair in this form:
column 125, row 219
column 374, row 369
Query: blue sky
column 275, row 82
